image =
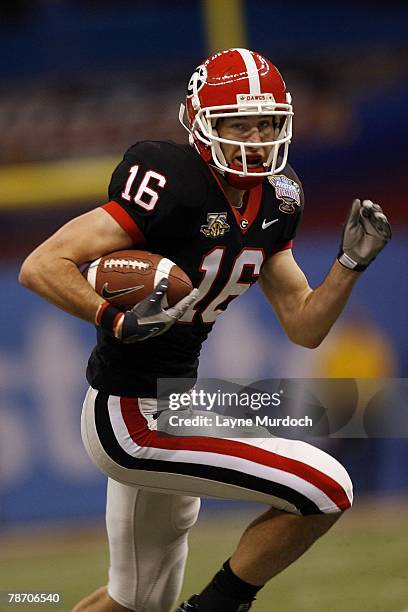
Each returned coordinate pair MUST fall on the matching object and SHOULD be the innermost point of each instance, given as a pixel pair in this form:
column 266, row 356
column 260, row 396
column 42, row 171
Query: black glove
column 365, row 234
column 148, row 318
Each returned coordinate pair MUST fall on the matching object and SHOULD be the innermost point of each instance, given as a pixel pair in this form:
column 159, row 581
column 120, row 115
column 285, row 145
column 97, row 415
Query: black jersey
column 172, row 203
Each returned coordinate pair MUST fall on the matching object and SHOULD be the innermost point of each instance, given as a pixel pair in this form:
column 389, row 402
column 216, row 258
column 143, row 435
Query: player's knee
column 184, row 512
column 334, row 483
column 340, row 496
column 333, row 492
column 350, row 494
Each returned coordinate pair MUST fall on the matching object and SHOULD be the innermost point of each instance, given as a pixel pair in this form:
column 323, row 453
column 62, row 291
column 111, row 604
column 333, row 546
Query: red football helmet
column 237, row 82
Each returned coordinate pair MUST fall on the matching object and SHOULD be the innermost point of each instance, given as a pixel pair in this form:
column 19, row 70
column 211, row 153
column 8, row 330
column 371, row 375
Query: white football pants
column 155, row 480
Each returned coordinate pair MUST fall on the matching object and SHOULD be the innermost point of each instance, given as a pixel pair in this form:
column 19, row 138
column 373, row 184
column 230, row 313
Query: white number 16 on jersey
column 211, row 266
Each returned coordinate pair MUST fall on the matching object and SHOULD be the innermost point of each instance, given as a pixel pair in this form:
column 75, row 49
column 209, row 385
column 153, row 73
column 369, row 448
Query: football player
column 225, row 208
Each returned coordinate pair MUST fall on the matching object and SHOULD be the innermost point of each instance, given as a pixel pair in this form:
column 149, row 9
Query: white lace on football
column 133, row 264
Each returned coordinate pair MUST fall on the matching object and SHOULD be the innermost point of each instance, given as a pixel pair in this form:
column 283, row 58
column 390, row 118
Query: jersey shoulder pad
column 172, row 165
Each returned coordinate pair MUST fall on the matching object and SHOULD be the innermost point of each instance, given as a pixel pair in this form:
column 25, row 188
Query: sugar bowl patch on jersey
column 287, row 191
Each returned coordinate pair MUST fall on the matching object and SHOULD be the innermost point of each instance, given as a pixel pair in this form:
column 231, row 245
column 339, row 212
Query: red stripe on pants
column 142, row 436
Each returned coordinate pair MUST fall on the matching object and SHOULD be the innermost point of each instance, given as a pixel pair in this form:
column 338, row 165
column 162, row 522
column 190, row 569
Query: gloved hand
column 148, row 318
column 365, row 234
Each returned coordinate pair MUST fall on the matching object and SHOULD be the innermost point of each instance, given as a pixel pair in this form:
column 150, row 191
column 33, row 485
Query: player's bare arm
column 52, row 269
column 307, row 315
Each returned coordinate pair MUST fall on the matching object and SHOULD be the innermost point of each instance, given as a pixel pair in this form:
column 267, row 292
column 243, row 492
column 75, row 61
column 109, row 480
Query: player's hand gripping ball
column 147, row 293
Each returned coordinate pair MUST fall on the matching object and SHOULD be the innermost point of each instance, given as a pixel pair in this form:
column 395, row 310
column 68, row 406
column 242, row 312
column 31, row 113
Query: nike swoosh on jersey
column 266, row 224
column 106, row 293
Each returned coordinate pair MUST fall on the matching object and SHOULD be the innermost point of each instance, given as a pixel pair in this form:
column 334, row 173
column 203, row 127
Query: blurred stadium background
column 80, row 81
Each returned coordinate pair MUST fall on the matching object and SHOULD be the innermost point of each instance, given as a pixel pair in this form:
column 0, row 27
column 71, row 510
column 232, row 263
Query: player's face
column 256, row 129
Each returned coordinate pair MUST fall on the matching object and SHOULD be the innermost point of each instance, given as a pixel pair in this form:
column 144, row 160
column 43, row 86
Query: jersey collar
column 246, row 219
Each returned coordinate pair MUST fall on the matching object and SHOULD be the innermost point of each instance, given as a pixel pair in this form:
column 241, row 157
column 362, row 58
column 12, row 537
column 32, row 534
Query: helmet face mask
column 243, row 84
column 204, row 130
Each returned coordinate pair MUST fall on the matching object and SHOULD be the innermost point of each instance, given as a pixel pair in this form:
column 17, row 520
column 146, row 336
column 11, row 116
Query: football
column 125, row 278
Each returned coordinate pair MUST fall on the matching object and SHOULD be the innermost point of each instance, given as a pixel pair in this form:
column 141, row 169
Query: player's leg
column 148, row 545
column 291, row 476
column 274, row 540
column 323, row 491
column 277, row 538
column 147, row 535
column 269, row 545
